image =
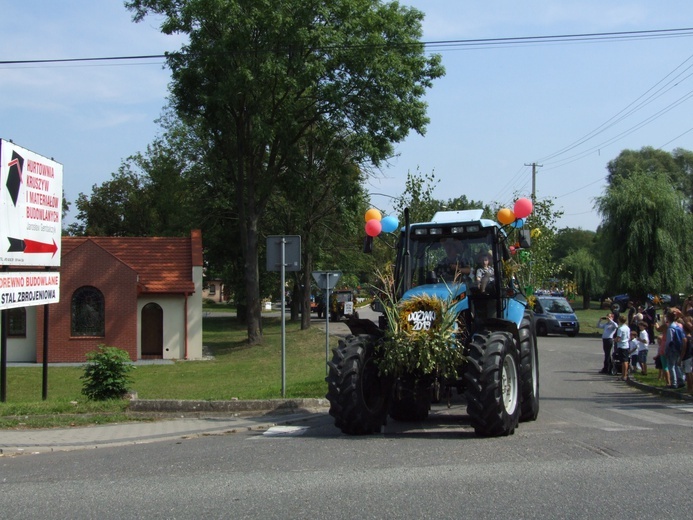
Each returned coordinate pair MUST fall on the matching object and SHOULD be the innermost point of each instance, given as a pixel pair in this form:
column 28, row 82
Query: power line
column 616, row 119
column 441, row 45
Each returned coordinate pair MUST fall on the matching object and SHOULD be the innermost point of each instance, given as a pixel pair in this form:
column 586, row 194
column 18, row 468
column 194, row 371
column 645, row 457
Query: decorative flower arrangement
column 423, row 337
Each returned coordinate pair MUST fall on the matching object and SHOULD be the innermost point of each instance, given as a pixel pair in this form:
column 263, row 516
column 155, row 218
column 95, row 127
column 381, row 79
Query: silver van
column 554, row 315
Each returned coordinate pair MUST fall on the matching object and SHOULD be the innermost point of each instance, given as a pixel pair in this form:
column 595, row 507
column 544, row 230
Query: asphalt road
column 599, row 450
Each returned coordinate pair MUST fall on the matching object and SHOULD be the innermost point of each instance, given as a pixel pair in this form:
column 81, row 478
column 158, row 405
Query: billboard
column 31, row 195
column 29, row 289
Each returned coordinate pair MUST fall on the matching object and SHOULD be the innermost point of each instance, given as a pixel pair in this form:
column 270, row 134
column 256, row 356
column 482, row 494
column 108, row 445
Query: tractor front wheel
column 358, row 395
column 493, row 384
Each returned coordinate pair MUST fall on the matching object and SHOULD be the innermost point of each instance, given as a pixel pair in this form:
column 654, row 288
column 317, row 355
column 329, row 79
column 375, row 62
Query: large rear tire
column 358, row 395
column 529, row 371
column 493, row 384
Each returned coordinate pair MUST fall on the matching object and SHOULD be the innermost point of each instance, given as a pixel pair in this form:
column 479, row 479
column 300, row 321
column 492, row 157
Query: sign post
column 327, row 280
column 283, row 254
column 31, row 191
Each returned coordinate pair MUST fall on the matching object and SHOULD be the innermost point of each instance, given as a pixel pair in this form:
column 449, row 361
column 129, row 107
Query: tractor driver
column 455, row 264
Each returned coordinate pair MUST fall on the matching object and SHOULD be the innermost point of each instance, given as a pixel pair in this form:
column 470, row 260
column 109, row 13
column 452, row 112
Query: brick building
column 140, row 294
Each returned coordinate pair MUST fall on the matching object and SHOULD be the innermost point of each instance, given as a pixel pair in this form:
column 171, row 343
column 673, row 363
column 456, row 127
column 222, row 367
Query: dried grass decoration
column 422, row 338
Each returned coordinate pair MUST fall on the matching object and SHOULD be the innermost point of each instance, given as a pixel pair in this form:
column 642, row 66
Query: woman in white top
column 609, row 326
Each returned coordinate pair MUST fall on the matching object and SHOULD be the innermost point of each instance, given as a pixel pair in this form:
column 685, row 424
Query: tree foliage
column 418, row 197
column 542, row 221
column 647, row 230
column 585, row 270
column 256, row 76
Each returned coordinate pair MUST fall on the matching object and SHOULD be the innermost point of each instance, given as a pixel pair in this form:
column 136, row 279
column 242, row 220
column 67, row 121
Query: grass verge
column 235, row 370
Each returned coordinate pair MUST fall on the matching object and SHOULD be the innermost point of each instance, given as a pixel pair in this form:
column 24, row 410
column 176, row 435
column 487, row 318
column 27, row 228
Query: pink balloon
column 373, row 227
column 523, row 207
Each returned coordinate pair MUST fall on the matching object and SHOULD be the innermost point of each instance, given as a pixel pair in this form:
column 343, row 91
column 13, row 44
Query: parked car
column 622, row 301
column 554, row 315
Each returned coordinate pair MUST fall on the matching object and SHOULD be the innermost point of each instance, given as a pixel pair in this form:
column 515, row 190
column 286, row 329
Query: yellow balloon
column 505, row 216
column 535, row 233
column 373, row 214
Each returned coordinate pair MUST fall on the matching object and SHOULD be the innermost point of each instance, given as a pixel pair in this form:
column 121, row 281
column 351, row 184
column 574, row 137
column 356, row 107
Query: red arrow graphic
column 31, row 246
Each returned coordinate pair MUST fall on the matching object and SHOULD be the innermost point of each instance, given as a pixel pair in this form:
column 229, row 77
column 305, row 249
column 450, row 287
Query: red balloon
column 373, row 227
column 523, row 207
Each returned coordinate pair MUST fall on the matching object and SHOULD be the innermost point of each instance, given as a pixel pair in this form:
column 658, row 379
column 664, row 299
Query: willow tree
column 257, row 75
column 646, row 234
column 586, row 271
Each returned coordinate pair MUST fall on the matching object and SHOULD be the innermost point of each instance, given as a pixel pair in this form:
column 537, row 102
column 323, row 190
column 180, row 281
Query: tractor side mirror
column 525, row 239
column 368, row 245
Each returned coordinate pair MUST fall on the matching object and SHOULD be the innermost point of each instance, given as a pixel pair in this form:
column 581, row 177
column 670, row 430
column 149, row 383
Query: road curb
column 664, row 392
column 253, row 406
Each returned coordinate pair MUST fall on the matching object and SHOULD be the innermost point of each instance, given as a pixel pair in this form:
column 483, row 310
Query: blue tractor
column 494, row 327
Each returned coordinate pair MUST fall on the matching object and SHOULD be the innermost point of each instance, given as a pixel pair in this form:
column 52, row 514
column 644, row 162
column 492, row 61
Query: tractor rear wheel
column 529, row 371
column 493, row 384
column 358, row 395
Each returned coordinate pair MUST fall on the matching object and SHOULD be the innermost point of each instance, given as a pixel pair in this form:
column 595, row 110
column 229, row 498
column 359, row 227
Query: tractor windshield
column 437, row 258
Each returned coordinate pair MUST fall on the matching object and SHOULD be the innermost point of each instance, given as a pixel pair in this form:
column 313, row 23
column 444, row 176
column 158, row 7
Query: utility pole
column 534, row 179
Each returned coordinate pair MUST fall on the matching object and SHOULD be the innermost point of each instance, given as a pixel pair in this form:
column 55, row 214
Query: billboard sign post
column 31, row 202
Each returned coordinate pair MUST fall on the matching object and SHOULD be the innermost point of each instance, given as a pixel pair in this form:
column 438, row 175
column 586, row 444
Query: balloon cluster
column 516, row 216
column 376, row 223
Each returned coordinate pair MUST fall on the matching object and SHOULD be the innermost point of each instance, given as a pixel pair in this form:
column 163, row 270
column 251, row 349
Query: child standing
column 633, row 345
column 643, row 344
column 621, row 347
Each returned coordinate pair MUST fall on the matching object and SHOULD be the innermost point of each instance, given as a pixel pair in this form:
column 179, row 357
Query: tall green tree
column 542, row 222
column 677, row 166
column 646, row 230
column 586, row 271
column 323, row 201
column 257, row 75
column 149, row 195
column 569, row 240
column 418, row 197
column 118, row 207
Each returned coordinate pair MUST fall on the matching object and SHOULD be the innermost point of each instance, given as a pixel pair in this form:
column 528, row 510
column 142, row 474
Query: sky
column 569, row 107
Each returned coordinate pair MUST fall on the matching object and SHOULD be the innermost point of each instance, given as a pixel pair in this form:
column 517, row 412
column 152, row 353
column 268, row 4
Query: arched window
column 88, row 312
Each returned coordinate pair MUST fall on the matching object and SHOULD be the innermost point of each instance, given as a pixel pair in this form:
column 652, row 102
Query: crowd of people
column 630, row 334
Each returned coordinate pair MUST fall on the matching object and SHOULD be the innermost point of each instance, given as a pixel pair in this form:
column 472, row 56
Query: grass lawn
column 237, row 371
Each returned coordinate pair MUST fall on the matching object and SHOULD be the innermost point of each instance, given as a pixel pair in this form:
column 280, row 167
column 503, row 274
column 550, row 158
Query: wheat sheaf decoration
column 421, row 339
column 420, row 315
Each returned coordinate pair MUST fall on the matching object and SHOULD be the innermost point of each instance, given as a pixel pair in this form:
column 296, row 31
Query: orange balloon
column 505, row 216
column 372, row 214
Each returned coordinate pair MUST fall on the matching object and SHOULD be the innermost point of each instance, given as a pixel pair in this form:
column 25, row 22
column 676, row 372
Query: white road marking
column 286, row 431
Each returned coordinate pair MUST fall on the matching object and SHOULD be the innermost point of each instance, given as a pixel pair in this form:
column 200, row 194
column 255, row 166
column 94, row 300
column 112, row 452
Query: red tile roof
column 163, row 264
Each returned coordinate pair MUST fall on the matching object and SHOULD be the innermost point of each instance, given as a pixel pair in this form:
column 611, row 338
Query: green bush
column 106, row 373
